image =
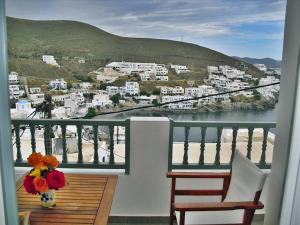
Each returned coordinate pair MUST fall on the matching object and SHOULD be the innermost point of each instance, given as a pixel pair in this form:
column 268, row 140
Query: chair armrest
column 217, row 206
column 198, row 175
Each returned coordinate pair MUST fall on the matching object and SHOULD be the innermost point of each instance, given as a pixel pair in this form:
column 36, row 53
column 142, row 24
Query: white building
column 146, row 100
column 132, row 88
column 59, row 98
column 15, row 92
column 261, row 67
column 179, row 69
column 58, row 84
column 112, row 90
column 101, row 100
column 74, row 100
column 83, row 85
column 172, row 91
column 231, row 72
column 13, row 78
column 37, row 98
column 268, row 92
column 35, row 90
column 23, row 105
column 180, row 105
column 137, row 67
column 49, row 59
column 212, row 69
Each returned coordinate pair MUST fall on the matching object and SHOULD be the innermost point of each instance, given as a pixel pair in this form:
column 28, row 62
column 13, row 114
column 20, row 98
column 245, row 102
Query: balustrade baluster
column 33, row 142
column 18, row 143
column 111, row 145
column 64, row 144
column 79, row 142
column 218, row 145
column 202, row 145
column 249, row 146
column 264, row 147
column 186, row 145
column 47, row 141
column 233, row 146
column 96, row 156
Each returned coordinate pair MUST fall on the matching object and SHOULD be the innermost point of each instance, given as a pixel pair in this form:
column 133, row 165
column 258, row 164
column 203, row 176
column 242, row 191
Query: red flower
column 28, row 185
column 55, row 179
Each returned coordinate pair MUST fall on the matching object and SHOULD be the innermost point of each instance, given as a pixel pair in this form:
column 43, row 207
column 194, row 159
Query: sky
column 245, row 28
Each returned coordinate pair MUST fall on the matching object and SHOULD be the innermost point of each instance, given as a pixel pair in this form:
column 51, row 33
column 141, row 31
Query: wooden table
column 85, row 200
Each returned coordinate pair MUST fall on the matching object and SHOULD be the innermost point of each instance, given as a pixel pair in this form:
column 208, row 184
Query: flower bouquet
column 44, row 179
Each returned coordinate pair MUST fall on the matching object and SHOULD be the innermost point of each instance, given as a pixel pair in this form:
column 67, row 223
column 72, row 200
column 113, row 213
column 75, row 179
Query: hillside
column 28, row 40
column 269, row 62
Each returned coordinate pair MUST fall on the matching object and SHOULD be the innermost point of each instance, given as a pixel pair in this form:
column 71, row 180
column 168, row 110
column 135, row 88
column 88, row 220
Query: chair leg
column 172, row 211
column 248, row 216
column 182, row 218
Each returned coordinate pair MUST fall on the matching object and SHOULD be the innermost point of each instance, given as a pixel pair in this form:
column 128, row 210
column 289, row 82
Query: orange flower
column 50, row 160
column 35, row 159
column 40, row 184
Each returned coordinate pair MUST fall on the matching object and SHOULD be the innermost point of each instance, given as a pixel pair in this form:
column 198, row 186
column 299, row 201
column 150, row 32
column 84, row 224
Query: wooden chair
column 239, row 196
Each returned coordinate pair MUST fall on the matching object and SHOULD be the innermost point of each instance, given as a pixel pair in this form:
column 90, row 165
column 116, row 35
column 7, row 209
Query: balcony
column 141, row 150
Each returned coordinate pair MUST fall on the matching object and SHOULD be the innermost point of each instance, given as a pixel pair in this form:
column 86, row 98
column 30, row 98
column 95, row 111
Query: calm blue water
column 195, row 133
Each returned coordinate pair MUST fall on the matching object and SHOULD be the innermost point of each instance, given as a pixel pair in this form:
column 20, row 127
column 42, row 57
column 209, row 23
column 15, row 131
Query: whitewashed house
column 180, row 105
column 58, row 84
column 13, row 78
column 101, row 100
column 49, row 59
column 261, row 67
column 268, row 92
column 212, row 69
column 23, row 105
column 179, row 69
column 15, row 91
column 59, row 98
column 178, row 90
column 35, row 90
column 112, row 90
column 74, row 100
column 37, row 98
column 132, row 88
column 146, row 100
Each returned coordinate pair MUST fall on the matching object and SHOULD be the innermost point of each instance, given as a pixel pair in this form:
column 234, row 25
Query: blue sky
column 252, row 28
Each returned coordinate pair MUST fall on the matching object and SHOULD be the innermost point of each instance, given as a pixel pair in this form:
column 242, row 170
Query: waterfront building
column 178, row 90
column 179, row 105
column 146, row 100
column 101, row 100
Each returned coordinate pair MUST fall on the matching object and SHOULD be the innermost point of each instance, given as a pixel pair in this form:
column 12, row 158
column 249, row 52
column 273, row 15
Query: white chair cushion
column 246, row 179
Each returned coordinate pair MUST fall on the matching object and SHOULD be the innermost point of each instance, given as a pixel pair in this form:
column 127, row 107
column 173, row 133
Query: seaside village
column 74, row 100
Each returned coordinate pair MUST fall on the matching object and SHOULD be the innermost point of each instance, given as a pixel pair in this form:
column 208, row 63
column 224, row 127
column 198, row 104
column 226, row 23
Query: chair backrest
column 246, row 179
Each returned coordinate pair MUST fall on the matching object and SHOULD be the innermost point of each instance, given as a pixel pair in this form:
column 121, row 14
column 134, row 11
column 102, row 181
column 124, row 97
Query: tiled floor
column 253, row 223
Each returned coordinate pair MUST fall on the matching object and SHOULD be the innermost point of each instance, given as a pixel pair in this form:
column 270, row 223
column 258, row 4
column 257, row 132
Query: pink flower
column 55, row 179
column 28, row 185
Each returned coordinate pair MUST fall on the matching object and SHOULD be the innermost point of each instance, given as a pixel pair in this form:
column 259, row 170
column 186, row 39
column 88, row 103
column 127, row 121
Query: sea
column 269, row 115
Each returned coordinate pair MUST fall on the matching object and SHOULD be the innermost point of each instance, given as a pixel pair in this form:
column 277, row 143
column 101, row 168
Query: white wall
column 146, row 191
column 287, row 129
column 2, row 218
